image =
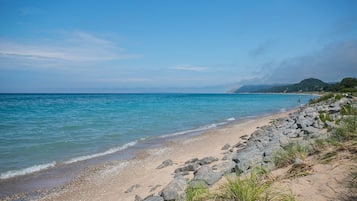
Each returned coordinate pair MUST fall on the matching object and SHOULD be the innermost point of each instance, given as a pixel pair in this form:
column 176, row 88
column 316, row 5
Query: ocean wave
column 231, row 119
column 110, row 151
column 200, row 129
column 29, row 170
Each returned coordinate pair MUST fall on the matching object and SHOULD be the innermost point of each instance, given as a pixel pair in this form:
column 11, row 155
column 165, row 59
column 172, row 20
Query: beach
column 113, row 180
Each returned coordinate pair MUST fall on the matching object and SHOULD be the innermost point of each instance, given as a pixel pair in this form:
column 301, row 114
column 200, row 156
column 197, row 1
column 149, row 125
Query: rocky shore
column 251, row 151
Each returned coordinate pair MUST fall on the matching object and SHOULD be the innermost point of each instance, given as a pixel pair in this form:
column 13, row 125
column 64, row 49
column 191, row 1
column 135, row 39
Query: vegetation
column 197, row 193
column 287, row 156
column 257, row 186
column 347, row 85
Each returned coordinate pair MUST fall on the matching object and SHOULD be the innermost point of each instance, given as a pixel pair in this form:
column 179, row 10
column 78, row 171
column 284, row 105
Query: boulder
column 194, row 160
column 132, row 188
column 154, row 198
column 207, row 160
column 165, row 163
column 190, row 167
column 226, row 147
column 207, row 175
column 175, row 190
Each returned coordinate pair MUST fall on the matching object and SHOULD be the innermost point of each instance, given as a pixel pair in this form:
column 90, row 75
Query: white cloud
column 190, row 68
column 75, row 47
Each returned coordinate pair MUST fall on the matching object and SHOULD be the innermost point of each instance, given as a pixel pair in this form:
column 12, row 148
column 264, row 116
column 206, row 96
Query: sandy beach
column 123, row 180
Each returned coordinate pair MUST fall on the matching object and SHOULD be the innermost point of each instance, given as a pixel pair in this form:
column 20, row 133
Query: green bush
column 321, row 98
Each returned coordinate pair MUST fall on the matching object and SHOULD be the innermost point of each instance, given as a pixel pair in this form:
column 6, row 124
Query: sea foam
column 110, row 151
column 29, row 170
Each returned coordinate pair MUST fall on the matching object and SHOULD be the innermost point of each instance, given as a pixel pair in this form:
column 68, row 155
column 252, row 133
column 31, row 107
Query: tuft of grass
column 321, row 98
column 348, row 110
column 256, row 186
column 324, row 117
column 198, row 192
column 251, row 188
column 287, row 156
column 347, row 131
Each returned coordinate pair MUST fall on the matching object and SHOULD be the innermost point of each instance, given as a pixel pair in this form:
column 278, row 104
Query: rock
column 207, row 160
column 194, row 160
column 175, row 190
column 181, row 174
column 154, row 198
column 197, row 183
column 239, row 145
column 138, row 198
column 298, row 161
column 225, row 167
column 207, row 175
column 189, row 167
column 132, row 188
column 244, row 137
column 155, row 187
column 165, row 163
column 226, row 147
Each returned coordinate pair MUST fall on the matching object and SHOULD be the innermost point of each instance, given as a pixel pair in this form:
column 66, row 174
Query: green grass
column 287, row 156
column 348, row 110
column 324, row 117
column 321, row 98
column 347, row 130
column 198, row 192
column 256, row 186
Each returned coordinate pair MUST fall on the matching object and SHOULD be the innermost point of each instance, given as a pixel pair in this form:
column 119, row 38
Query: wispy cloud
column 190, row 68
column 261, row 49
column 74, row 47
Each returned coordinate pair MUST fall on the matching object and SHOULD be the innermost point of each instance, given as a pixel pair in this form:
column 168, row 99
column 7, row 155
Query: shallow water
column 40, row 131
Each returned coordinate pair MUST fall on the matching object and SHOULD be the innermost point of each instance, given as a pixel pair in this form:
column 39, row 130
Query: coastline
column 112, row 180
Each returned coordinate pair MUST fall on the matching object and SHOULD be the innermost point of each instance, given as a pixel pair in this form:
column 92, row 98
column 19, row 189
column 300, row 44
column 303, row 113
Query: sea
column 44, row 131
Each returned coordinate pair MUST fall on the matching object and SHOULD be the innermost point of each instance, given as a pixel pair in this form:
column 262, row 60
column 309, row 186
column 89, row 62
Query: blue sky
column 199, row 45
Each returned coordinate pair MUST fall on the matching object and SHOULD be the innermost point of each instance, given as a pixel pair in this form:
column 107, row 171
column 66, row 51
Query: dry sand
column 110, row 181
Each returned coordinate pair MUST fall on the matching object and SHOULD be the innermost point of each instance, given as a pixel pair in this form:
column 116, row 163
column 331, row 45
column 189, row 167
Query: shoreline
column 110, row 180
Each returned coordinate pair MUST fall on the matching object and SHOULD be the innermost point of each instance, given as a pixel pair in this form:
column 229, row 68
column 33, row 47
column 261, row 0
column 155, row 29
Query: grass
column 198, row 192
column 256, row 186
column 348, row 110
column 324, row 117
column 321, row 98
column 287, row 156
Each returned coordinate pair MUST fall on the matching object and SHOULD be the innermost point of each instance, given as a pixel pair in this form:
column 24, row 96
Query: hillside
column 306, row 85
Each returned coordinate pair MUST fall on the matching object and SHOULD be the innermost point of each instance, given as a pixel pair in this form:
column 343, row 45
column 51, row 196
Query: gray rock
column 197, row 183
column 175, row 190
column 132, row 188
column 165, row 163
column 194, row 160
column 206, row 174
column 154, row 198
column 207, row 160
column 189, row 167
column 138, row 198
column 155, row 187
column 226, row 147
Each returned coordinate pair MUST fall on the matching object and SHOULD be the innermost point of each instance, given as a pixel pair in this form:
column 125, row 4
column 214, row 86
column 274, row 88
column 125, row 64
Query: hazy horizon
column 173, row 46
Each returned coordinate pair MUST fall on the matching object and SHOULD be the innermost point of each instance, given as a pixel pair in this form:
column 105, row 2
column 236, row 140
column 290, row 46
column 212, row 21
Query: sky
column 172, row 45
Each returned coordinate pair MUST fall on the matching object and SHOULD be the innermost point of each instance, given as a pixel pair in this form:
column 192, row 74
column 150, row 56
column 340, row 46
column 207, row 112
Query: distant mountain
column 306, row 85
column 253, row 88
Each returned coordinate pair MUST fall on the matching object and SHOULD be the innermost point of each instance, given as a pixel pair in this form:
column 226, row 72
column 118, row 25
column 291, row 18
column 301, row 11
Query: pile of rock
column 256, row 150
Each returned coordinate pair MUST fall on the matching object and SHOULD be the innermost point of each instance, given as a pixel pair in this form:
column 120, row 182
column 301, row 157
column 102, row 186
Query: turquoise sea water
column 39, row 131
